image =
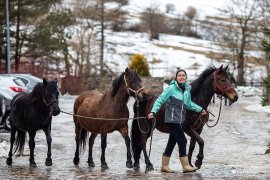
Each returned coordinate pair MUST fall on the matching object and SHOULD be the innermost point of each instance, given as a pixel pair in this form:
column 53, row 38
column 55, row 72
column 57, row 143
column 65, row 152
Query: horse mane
column 133, row 77
column 116, row 84
column 197, row 83
column 37, row 92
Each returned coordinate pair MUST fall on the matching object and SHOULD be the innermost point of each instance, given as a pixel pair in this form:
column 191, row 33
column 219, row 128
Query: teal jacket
column 176, row 99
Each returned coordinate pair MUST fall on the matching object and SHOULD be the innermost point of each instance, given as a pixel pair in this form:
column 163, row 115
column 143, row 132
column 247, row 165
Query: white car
column 12, row 85
column 29, row 80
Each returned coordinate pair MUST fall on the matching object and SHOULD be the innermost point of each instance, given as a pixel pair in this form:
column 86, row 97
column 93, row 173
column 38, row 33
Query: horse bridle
column 136, row 92
column 49, row 104
column 217, row 88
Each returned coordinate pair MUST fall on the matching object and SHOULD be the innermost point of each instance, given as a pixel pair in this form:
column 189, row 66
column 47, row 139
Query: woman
column 178, row 99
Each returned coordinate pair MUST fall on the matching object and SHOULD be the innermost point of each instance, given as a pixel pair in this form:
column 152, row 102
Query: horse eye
column 223, row 80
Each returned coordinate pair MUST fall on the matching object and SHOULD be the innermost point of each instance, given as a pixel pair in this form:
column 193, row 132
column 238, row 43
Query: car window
column 24, row 80
column 19, row 82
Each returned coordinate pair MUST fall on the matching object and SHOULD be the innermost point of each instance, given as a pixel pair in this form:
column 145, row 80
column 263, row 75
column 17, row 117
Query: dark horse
column 105, row 110
column 211, row 81
column 31, row 112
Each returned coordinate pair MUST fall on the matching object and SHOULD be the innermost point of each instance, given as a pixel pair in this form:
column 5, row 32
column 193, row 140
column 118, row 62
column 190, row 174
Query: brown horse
column 211, row 81
column 105, row 108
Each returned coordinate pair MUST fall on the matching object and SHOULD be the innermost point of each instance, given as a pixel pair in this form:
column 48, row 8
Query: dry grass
column 213, row 55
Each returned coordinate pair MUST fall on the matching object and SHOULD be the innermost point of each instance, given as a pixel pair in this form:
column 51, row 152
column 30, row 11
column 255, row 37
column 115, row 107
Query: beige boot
column 186, row 166
column 165, row 165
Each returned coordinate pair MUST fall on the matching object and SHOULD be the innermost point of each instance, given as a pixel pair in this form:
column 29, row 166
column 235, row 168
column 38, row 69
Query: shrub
column 140, row 65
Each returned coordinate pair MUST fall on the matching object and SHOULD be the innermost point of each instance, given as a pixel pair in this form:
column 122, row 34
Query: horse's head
column 51, row 96
column 134, row 84
column 222, row 84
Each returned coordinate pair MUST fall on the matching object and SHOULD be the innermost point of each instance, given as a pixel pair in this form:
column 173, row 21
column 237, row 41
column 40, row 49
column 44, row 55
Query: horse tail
column 19, row 141
column 83, row 139
column 135, row 135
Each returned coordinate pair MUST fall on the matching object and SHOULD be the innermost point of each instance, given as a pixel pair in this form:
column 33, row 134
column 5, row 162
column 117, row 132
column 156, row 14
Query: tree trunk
column 240, row 75
column 102, row 40
column 17, row 54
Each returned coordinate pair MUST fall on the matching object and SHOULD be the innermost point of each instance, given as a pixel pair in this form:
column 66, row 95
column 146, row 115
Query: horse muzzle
column 233, row 97
column 55, row 109
column 142, row 95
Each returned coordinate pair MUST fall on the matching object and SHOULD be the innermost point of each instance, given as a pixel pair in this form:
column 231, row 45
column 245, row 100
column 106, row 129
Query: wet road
column 234, row 149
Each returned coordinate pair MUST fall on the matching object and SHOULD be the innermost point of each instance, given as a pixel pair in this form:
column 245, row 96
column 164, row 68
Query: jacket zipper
column 182, row 110
column 172, row 113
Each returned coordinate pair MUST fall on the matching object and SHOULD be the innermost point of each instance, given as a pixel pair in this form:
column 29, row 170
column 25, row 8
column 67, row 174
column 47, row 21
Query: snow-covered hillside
column 173, row 51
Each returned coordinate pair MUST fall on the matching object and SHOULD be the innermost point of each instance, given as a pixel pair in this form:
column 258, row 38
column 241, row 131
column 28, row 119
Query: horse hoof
column 48, row 162
column 149, row 168
column 198, row 165
column 33, row 164
column 136, row 166
column 9, row 161
column 76, row 160
column 104, row 166
column 91, row 164
column 129, row 164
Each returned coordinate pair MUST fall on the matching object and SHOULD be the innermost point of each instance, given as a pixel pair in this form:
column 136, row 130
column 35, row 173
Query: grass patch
column 214, row 55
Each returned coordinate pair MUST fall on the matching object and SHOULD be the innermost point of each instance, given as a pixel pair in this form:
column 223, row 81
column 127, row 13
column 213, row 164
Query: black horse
column 212, row 80
column 31, row 112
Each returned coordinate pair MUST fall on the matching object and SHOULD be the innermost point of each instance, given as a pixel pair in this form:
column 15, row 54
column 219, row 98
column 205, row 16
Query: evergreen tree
column 266, row 47
column 34, row 25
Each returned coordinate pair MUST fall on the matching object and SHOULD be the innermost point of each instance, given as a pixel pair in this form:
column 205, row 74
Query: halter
column 217, row 88
column 132, row 90
column 49, row 104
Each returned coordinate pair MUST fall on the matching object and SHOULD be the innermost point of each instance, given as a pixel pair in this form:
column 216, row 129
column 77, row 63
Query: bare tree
column 85, row 44
column 243, row 14
column 188, row 24
column 94, row 17
column 153, row 21
column 170, row 8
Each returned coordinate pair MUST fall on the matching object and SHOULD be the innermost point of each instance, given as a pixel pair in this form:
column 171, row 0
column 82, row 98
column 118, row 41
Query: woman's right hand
column 150, row 116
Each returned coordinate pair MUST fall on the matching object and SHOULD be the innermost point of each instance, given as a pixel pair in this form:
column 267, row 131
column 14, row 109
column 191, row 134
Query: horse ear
column 127, row 71
column 226, row 68
column 45, row 81
column 220, row 68
column 55, row 80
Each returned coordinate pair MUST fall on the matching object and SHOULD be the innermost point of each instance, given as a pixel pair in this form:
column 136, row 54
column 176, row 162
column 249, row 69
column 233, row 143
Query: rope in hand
column 105, row 119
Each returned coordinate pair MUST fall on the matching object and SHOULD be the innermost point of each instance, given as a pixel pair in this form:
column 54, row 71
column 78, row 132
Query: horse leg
column 32, row 148
column 149, row 165
column 200, row 141
column 78, row 130
column 12, row 140
column 137, row 155
column 103, row 148
column 190, row 150
column 91, row 143
column 47, row 132
column 124, row 133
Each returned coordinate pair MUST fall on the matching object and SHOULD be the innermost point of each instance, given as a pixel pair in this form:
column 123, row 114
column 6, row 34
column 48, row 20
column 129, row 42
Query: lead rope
column 153, row 127
column 105, row 119
column 137, row 113
column 199, row 123
column 218, row 115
